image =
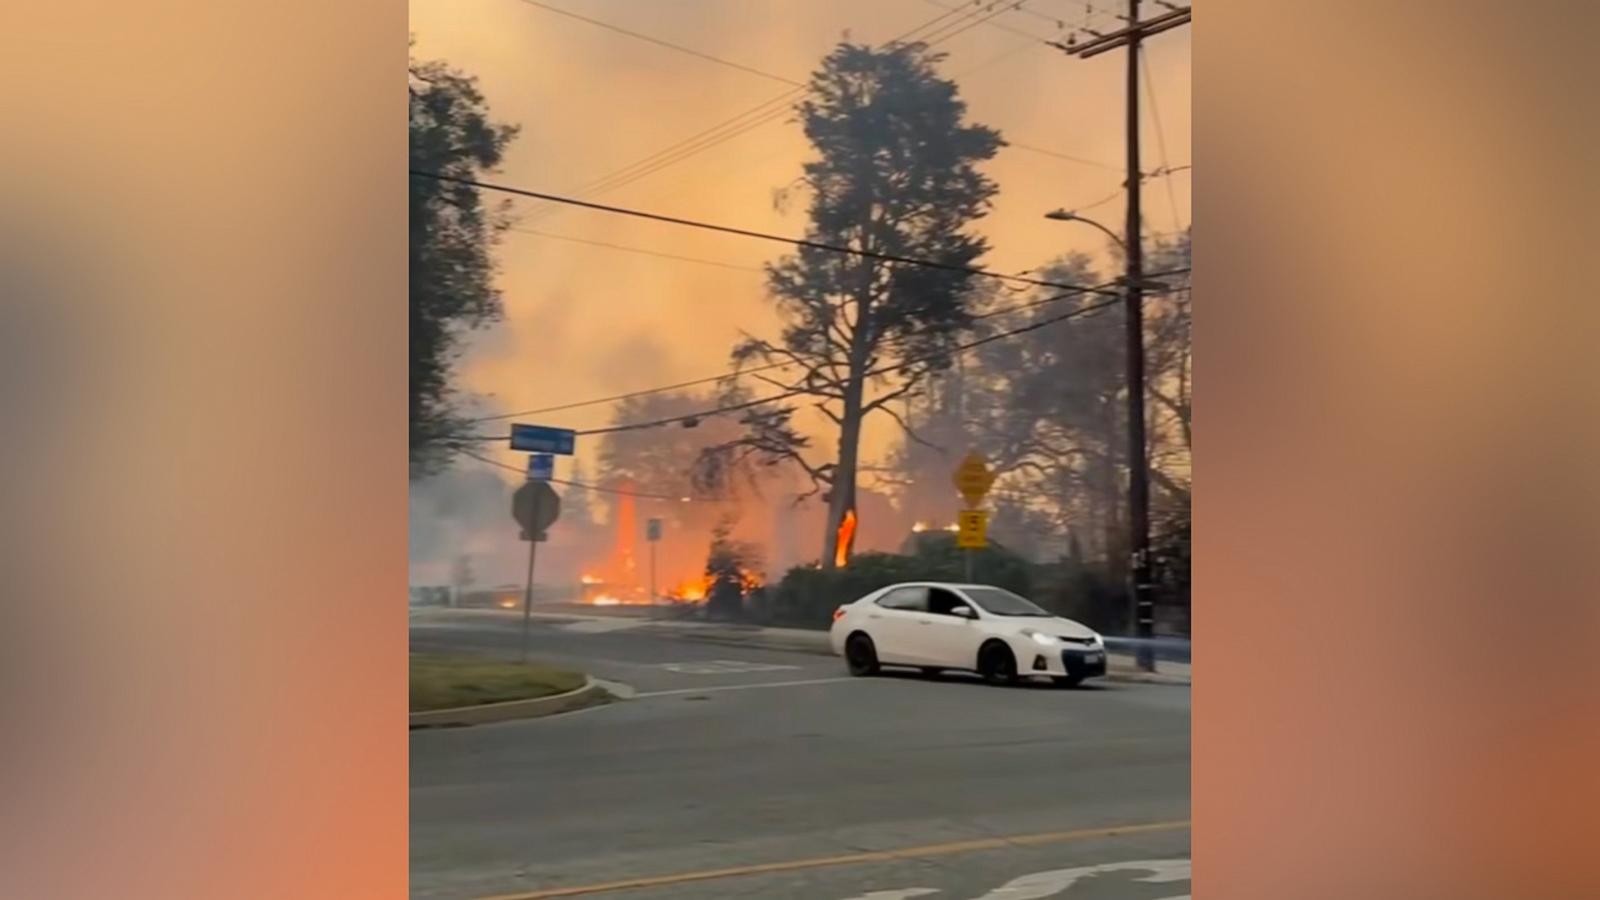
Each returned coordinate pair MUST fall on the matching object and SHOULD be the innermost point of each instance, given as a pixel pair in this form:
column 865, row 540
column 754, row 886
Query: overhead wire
column 599, row 488
column 661, row 43
column 1161, row 137
column 738, row 373
column 745, row 232
column 763, row 112
column 562, row 407
column 965, row 21
column 1077, row 159
column 882, row 370
column 640, row 250
column 772, row 109
column 1017, row 8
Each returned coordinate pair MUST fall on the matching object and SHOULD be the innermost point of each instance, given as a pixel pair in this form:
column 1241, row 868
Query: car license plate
column 1091, row 658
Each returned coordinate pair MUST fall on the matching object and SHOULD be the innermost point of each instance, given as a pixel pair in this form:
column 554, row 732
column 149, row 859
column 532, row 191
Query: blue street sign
column 542, row 439
column 541, row 467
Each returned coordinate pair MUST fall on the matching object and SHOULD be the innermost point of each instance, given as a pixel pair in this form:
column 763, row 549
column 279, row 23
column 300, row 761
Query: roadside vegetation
column 447, row 682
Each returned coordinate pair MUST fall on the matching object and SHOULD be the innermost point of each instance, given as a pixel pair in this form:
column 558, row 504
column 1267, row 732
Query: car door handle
column 924, row 622
column 874, row 616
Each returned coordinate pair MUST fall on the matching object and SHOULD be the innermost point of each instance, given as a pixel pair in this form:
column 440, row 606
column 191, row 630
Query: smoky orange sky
column 584, row 321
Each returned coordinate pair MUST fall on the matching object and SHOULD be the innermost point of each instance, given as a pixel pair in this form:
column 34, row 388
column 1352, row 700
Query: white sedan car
column 971, row 627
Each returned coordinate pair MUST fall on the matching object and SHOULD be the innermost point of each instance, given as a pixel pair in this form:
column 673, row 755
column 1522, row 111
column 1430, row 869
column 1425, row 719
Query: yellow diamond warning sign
column 972, row 529
column 973, row 478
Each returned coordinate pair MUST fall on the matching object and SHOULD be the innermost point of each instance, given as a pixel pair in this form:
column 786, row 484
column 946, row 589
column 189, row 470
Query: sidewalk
column 1119, row 666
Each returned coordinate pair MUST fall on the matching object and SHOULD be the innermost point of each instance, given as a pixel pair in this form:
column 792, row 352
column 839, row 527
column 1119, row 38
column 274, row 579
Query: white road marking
column 738, row 687
column 616, row 688
column 600, row 626
column 1052, row 883
column 722, row 667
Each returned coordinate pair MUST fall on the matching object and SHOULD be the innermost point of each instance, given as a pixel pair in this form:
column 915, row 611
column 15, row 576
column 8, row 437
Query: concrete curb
column 577, row 698
column 1137, row 677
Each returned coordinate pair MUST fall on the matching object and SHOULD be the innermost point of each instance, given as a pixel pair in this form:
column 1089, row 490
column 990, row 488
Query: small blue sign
column 542, row 439
column 541, row 467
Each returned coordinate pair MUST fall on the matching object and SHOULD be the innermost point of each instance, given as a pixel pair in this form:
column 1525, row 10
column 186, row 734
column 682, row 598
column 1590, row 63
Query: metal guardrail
column 1166, row 649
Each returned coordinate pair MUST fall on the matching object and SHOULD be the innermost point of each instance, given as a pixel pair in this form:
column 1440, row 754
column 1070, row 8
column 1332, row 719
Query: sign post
column 652, row 533
column 541, row 467
column 535, row 506
column 972, row 479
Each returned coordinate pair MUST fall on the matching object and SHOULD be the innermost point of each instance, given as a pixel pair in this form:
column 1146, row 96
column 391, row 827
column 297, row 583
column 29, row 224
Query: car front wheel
column 860, row 655
column 997, row 664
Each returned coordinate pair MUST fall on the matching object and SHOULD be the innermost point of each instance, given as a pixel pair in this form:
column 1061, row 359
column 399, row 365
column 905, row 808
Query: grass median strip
column 448, row 682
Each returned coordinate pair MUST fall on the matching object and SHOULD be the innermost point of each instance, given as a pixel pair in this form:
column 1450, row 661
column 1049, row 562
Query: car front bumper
column 1074, row 661
column 1084, row 662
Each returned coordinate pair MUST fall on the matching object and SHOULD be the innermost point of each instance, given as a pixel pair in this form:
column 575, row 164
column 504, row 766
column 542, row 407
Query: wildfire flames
column 615, row 576
column 692, row 590
column 842, row 542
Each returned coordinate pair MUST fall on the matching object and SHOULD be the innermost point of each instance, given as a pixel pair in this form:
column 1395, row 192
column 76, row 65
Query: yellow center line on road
column 817, row 862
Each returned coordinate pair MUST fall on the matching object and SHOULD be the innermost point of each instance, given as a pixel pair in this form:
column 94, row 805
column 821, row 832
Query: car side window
column 944, row 602
column 907, row 599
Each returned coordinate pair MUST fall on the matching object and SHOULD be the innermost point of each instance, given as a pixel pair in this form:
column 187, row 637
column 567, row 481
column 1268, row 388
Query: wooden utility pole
column 1141, row 589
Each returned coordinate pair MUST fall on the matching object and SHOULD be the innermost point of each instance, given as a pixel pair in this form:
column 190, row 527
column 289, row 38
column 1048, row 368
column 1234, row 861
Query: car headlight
column 1099, row 641
column 1044, row 639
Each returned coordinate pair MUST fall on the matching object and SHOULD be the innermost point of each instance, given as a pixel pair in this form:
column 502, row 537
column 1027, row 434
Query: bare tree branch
column 879, row 402
column 829, row 413
column 906, row 427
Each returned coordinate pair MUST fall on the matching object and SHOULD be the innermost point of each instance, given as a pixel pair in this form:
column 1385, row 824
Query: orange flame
column 692, row 589
column 847, row 530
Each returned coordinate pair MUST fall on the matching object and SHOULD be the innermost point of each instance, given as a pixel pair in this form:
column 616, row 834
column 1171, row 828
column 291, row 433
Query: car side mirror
column 963, row 612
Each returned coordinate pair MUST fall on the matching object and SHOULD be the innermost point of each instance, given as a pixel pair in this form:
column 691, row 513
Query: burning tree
column 895, row 174
column 660, row 462
column 730, row 572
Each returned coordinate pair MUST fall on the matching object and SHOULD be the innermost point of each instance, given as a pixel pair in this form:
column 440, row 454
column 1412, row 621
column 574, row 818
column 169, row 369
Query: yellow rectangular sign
column 972, row 529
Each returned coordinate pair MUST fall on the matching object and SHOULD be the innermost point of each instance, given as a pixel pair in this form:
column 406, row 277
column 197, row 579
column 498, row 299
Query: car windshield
column 1002, row 602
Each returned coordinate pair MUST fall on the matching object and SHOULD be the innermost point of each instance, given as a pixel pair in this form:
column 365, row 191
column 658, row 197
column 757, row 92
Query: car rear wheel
column 860, row 655
column 997, row 664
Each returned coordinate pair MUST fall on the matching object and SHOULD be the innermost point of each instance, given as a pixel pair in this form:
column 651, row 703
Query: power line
column 1098, row 203
column 744, row 232
column 973, row 20
column 1076, row 159
column 639, row 250
column 727, row 129
column 762, row 113
column 882, row 370
column 739, row 373
column 1159, row 172
column 661, row 43
column 632, row 394
column 1018, row 7
column 1161, row 137
column 597, row 488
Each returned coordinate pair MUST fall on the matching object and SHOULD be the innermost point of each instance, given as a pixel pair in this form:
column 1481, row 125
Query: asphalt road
column 736, row 772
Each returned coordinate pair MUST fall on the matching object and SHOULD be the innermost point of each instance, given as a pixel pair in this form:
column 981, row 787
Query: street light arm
column 1062, row 215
